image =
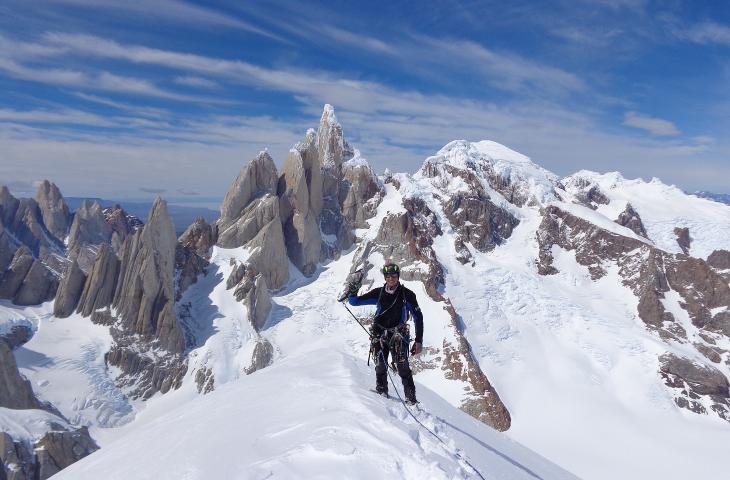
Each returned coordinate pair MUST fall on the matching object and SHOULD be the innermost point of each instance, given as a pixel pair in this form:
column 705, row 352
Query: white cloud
column 707, row 33
column 655, row 126
column 175, row 11
column 197, row 82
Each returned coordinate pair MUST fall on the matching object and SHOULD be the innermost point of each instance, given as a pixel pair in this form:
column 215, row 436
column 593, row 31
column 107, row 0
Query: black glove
column 416, row 348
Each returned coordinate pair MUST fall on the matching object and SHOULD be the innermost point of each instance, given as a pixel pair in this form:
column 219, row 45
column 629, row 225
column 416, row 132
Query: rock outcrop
column 192, row 254
column 263, row 355
column 300, row 220
column 683, row 239
column 59, row 449
column 122, row 224
column 333, row 150
column 39, row 285
column 101, row 283
column 88, row 230
column 16, row 391
column 362, row 192
column 56, row 450
column 268, row 254
column 692, row 382
column 144, row 297
column 53, row 208
column 255, row 179
column 630, row 219
column 12, row 278
column 69, row 291
column 253, row 218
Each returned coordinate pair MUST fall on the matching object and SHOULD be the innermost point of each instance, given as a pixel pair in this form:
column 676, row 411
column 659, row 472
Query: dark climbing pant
column 395, row 343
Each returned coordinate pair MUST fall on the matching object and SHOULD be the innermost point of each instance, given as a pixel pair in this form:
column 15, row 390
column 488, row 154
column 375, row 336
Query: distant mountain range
column 718, row 197
column 182, row 215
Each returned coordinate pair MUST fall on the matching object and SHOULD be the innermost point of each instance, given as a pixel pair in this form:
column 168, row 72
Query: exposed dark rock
column 696, row 381
column 478, row 221
column 263, row 355
column 720, row 323
column 59, row 449
column 16, row 272
column 592, row 196
column 683, row 239
column 188, row 265
column 630, row 219
column 17, row 459
column 8, row 246
column 199, row 238
column 713, row 354
column 16, row 391
column 69, row 291
column 363, row 193
column 191, row 254
column 251, row 288
column 205, row 380
column 39, row 285
column 122, row 224
column 53, row 208
column 17, row 336
column 8, row 206
column 101, row 283
column 719, row 259
column 649, row 272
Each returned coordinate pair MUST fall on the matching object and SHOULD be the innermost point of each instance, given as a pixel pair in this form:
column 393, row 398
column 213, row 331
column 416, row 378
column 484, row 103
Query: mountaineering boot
column 411, row 402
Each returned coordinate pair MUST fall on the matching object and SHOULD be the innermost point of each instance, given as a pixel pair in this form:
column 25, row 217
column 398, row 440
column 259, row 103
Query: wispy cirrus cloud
column 656, row 126
column 197, row 82
column 707, row 32
column 176, row 11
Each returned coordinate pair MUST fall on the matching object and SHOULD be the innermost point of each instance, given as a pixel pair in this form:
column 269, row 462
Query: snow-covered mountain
column 586, row 317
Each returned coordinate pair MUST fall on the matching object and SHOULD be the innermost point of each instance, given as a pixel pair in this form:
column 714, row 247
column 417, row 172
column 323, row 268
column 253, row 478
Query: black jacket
column 392, row 308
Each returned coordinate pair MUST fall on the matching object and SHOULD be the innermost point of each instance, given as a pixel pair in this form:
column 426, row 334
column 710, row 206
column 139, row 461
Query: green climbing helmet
column 390, row 268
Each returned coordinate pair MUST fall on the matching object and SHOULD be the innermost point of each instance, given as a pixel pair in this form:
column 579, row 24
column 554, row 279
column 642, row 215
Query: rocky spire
column 53, row 209
column 333, row 150
column 630, row 219
column 8, row 206
column 69, row 290
column 255, row 179
column 99, row 287
column 16, row 392
column 299, row 220
column 144, row 297
column 89, row 226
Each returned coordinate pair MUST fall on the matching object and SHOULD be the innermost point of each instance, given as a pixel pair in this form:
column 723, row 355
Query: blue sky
column 131, row 99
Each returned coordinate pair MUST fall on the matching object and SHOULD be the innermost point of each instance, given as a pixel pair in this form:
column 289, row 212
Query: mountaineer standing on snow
column 389, row 333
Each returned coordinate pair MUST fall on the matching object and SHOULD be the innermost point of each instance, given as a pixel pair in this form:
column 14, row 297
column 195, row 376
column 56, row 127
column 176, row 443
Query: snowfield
column 311, row 416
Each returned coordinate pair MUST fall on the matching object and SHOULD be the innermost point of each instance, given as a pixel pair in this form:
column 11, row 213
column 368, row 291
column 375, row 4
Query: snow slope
column 663, row 208
column 310, row 416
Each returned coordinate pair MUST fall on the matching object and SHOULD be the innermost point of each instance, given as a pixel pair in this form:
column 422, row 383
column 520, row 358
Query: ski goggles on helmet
column 391, row 269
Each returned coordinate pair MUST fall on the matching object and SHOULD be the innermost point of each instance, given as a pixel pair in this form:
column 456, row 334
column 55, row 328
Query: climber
column 389, row 333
